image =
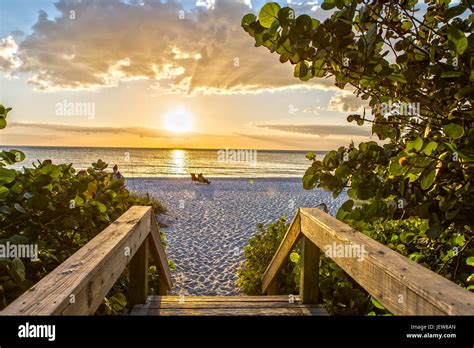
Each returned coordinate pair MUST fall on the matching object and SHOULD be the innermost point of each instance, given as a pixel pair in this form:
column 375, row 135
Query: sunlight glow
column 178, row 161
column 178, row 120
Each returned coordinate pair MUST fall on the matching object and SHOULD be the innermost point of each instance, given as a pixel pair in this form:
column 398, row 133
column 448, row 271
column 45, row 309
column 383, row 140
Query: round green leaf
column 268, row 14
column 328, row 4
column 285, row 15
column 453, row 130
column 294, row 257
column 248, row 19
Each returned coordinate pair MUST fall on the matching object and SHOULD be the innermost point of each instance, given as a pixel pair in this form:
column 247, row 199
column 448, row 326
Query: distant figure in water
column 117, row 174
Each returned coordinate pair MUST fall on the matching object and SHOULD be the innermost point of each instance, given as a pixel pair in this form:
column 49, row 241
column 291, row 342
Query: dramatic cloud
column 318, row 130
column 178, row 48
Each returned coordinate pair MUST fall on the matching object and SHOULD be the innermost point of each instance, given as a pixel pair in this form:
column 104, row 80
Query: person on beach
column 117, row 174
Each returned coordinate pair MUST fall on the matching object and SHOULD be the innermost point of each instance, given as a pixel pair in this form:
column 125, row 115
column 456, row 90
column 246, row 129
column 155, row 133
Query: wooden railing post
column 270, row 284
column 138, row 286
column 309, row 281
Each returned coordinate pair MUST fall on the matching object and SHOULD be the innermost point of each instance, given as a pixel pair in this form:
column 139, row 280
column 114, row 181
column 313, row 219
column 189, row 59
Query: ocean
column 142, row 163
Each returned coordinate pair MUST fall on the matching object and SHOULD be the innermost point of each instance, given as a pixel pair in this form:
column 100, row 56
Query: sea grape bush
column 60, row 210
column 419, row 175
column 258, row 253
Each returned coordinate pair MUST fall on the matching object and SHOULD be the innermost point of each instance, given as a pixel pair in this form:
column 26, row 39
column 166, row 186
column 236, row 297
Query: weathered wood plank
column 79, row 284
column 200, row 299
column 309, row 280
column 231, row 312
column 235, row 305
column 138, row 268
column 159, row 255
column 289, row 242
column 401, row 285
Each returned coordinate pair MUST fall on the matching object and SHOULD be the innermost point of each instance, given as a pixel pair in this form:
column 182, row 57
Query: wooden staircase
column 227, row 306
column 79, row 285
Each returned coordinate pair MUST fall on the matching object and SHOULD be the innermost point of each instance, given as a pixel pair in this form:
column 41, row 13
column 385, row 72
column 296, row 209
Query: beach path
column 209, row 225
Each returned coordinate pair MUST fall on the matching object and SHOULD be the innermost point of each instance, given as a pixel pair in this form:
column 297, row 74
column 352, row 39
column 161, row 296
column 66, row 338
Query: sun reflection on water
column 179, row 161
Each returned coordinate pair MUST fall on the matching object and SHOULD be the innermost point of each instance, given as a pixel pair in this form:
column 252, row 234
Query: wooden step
column 225, row 306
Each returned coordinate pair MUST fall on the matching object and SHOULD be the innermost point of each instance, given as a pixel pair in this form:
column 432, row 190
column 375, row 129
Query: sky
column 161, row 74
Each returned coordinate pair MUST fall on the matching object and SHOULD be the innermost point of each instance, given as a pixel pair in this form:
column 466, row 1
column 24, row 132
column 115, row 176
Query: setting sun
column 178, row 120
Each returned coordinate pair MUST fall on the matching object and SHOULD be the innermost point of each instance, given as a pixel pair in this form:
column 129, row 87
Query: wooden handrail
column 401, row 285
column 79, row 284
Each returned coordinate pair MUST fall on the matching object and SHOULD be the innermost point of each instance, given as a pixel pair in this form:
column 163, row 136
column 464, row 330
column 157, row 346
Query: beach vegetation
column 413, row 70
column 58, row 210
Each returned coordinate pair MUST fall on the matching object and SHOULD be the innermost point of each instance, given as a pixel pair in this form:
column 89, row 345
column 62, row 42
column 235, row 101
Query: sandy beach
column 209, row 225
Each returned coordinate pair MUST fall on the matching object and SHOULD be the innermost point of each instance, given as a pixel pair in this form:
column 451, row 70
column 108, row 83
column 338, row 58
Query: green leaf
column 303, row 24
column 294, row 257
column 430, row 147
column 268, row 14
column 3, row 192
column 102, row 208
column 7, row 175
column 376, row 303
column 453, row 130
column 248, row 19
column 328, row 4
column 470, row 261
column 428, row 179
column 286, row 15
column 415, row 144
column 301, row 69
column 310, row 178
column 454, row 11
column 457, row 40
column 407, row 25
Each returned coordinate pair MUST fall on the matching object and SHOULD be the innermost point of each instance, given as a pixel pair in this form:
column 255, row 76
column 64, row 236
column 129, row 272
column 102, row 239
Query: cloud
column 318, row 130
column 140, row 131
column 9, row 60
column 95, row 44
column 345, row 102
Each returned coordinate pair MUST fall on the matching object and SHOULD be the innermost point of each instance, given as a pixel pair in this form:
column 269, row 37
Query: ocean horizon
column 176, row 163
